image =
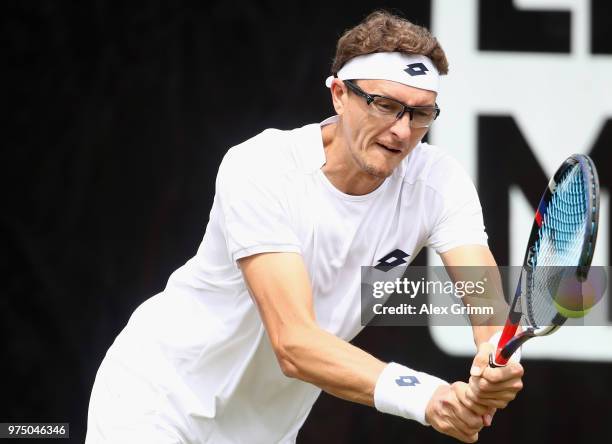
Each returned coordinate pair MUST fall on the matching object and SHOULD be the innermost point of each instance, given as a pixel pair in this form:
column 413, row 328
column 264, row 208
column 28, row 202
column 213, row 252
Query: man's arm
column 280, row 286
column 479, row 257
column 489, row 388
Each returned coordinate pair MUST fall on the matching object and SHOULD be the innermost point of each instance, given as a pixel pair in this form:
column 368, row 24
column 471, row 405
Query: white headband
column 411, row 70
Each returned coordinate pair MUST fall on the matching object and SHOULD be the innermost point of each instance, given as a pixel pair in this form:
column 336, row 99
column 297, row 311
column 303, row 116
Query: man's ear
column 339, row 93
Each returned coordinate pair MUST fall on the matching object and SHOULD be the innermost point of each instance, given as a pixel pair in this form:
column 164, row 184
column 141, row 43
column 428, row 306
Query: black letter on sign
column 502, row 27
column 601, row 21
column 505, row 159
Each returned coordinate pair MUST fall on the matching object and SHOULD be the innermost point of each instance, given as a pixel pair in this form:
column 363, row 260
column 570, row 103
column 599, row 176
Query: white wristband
column 405, row 392
column 494, row 340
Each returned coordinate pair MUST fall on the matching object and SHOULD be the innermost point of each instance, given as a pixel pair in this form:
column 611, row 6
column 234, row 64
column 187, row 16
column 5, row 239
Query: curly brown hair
column 382, row 31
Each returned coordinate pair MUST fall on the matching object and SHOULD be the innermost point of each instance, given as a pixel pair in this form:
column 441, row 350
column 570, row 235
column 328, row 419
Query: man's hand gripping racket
column 560, row 246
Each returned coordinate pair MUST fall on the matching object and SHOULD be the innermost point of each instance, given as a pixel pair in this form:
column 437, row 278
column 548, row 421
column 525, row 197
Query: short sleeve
column 455, row 211
column 254, row 208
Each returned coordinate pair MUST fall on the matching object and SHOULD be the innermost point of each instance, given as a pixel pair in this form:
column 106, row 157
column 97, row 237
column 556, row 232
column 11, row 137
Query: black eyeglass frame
column 410, row 109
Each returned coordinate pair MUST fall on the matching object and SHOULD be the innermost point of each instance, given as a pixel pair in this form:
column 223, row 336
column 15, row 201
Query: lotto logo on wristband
column 407, row 381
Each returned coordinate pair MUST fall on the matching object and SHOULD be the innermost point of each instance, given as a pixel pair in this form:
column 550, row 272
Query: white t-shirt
column 271, row 196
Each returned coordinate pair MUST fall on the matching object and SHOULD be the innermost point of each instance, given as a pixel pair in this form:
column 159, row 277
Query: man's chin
column 378, row 172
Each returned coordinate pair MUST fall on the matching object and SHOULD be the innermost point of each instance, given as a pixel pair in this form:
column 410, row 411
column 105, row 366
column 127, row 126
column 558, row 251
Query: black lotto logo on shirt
column 391, row 260
column 416, row 69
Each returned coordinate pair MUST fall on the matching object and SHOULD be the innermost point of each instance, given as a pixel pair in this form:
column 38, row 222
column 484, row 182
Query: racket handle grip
column 498, row 360
column 501, row 359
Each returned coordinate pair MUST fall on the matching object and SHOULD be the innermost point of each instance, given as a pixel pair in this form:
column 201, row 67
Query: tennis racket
column 562, row 242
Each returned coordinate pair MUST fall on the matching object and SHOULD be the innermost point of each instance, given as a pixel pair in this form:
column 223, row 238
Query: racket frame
column 509, row 342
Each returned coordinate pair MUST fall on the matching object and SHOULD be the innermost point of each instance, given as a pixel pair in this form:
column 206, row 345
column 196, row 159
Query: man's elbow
column 288, row 367
column 292, row 347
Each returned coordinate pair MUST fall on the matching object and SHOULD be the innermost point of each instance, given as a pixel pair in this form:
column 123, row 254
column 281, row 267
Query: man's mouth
column 389, row 148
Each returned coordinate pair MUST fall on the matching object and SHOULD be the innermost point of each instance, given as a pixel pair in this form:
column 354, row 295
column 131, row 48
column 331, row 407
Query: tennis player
column 247, row 333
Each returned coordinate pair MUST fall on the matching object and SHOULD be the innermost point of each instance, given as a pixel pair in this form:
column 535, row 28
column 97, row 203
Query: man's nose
column 401, row 128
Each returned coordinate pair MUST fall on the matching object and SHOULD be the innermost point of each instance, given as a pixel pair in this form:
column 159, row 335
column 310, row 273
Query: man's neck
column 340, row 167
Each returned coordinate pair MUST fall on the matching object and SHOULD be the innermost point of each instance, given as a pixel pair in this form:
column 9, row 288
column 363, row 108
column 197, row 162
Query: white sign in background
column 558, row 101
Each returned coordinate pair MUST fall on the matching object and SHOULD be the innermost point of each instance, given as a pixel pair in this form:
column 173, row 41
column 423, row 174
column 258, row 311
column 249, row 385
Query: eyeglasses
column 390, row 110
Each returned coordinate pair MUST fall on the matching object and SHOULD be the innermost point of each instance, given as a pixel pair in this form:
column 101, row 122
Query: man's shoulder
column 275, row 151
column 431, row 165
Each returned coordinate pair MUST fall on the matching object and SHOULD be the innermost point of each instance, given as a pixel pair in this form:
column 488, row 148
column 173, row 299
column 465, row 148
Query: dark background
column 118, row 116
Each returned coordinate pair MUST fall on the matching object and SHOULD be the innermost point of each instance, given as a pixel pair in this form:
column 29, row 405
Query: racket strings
column 560, row 244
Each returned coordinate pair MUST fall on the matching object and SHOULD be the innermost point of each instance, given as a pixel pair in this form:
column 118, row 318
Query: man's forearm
column 350, row 373
column 322, row 359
